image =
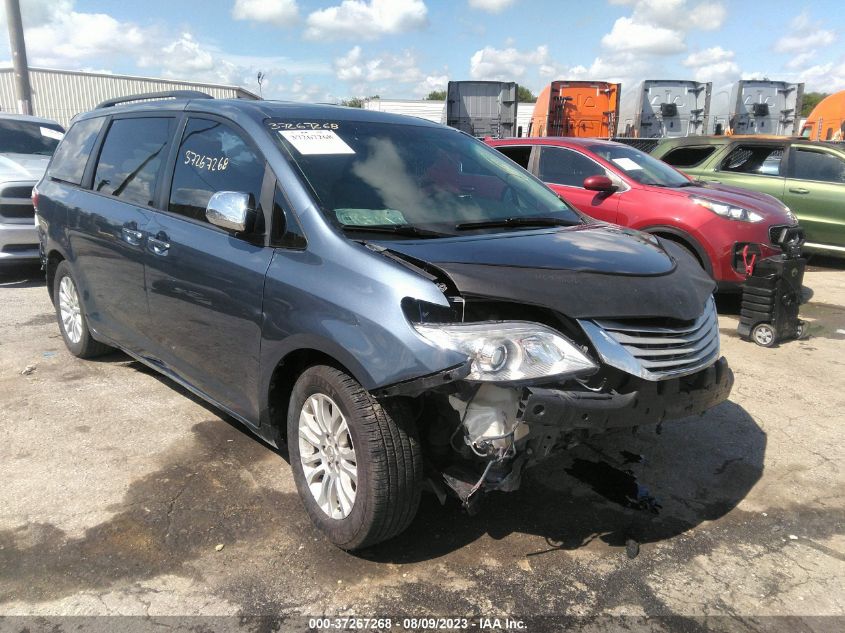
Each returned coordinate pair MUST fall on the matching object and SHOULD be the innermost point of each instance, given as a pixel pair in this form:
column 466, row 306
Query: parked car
column 616, row 183
column 26, row 144
column 807, row 176
column 402, row 304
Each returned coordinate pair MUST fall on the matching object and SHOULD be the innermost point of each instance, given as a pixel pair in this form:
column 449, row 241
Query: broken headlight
column 727, row 210
column 510, row 351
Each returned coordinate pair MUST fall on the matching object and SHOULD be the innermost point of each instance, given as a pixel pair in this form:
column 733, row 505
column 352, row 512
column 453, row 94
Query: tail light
column 35, row 199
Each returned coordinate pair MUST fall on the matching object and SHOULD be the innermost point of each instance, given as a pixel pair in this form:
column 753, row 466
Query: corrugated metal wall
column 60, row 95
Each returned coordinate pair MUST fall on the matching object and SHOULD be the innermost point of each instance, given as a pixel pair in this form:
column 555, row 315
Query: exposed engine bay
column 538, row 381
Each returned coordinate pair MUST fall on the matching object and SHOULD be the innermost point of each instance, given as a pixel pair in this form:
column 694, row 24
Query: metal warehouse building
column 61, row 94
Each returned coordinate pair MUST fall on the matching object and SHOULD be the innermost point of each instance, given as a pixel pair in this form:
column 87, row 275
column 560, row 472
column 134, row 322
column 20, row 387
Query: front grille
column 664, row 351
column 19, row 248
column 16, row 203
column 781, row 234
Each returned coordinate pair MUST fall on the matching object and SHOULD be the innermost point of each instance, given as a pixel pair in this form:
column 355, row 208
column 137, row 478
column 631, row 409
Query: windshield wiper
column 394, row 229
column 515, row 221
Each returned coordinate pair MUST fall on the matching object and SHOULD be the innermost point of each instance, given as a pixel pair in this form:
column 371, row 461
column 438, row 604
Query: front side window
column 562, row 166
column 639, row 166
column 812, row 165
column 763, row 160
column 366, row 174
column 68, row 164
column 213, row 157
column 131, row 159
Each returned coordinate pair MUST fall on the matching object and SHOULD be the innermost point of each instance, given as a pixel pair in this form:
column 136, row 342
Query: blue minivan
column 402, row 305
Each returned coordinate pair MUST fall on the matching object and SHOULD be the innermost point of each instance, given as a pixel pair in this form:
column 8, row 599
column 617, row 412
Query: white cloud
column 366, row 19
column 381, row 73
column 804, row 34
column 185, row 58
column 506, row 64
column 713, row 64
column 491, row 6
column 628, row 34
column 278, row 12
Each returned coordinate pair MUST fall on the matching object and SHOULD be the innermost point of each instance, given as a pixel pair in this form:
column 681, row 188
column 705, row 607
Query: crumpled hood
column 591, row 271
column 22, row 166
column 589, row 248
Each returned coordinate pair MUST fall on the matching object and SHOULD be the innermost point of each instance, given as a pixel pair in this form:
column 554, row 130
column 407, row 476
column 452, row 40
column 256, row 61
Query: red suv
column 723, row 227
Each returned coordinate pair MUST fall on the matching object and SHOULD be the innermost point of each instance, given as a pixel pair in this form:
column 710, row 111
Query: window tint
column 519, row 155
column 688, row 156
column 131, row 158
column 565, row 167
column 810, row 165
column 69, row 161
column 754, row 159
column 212, row 157
column 29, row 137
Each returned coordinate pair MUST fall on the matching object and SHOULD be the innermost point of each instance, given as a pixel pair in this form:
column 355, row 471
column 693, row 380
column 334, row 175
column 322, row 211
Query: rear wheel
column 71, row 317
column 356, row 461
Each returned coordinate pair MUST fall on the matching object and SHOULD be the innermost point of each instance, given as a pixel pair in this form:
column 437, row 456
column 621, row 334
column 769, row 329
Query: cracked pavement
column 119, row 486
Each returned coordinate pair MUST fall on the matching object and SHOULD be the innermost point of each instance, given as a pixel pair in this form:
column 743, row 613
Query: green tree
column 811, row 100
column 524, row 95
column 436, row 95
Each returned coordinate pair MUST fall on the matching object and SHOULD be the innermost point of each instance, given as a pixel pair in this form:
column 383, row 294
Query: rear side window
column 131, row 159
column 69, row 161
column 764, row 160
column 213, row 157
column 564, row 167
column 29, row 137
column 810, row 165
column 688, row 156
column 519, row 155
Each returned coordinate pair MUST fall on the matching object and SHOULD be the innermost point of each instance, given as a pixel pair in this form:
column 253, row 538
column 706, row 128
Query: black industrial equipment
column 771, row 297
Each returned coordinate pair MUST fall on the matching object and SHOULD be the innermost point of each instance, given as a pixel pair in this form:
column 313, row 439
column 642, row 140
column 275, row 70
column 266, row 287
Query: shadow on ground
column 21, row 275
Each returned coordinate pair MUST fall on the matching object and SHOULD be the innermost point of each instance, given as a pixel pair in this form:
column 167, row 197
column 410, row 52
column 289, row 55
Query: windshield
column 640, row 167
column 28, row 137
column 413, row 176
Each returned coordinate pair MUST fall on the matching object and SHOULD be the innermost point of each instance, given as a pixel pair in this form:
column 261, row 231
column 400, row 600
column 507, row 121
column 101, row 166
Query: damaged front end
column 530, row 388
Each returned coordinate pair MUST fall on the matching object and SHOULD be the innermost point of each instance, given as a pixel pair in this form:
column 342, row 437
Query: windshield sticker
column 50, row 133
column 369, row 217
column 208, row 163
column 316, row 142
column 627, row 164
column 303, row 125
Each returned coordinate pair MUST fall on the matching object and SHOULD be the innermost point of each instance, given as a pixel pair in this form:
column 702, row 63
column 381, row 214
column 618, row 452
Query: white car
column 26, row 145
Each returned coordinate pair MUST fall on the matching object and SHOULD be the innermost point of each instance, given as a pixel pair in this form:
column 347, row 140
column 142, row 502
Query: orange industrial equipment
column 576, row 108
column 827, row 120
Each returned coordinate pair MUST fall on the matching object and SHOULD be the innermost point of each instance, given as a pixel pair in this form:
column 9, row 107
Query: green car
column 807, row 176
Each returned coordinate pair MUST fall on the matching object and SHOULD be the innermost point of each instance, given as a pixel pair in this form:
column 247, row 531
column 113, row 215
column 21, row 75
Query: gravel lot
column 118, row 489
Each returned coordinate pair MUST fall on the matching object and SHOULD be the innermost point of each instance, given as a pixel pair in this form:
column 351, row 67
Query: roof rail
column 168, row 94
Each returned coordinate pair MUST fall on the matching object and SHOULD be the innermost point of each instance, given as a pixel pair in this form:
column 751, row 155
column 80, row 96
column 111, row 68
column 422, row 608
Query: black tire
column 388, row 458
column 86, row 346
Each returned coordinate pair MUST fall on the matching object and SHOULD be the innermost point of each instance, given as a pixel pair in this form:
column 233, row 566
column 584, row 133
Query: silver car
column 26, row 145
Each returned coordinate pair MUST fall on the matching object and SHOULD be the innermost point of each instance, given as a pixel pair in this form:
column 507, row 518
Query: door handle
column 131, row 234
column 160, row 244
column 798, row 190
column 718, row 182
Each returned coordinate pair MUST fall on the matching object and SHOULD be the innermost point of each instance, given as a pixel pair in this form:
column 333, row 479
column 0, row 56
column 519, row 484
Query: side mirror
column 231, row 210
column 599, row 183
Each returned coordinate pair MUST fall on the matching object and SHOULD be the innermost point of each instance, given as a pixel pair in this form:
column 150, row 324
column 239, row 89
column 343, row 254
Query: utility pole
column 19, row 63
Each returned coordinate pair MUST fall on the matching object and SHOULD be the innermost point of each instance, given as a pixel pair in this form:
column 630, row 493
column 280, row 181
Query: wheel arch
column 52, row 261
column 683, row 238
column 286, row 370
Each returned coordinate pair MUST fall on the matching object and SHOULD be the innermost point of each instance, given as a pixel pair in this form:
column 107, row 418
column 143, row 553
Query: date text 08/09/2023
column 417, row 624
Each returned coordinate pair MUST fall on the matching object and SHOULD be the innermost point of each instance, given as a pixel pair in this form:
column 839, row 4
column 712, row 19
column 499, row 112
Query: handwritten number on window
column 208, row 163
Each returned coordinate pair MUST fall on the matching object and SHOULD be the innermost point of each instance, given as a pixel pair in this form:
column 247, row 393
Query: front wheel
column 356, row 461
column 71, row 316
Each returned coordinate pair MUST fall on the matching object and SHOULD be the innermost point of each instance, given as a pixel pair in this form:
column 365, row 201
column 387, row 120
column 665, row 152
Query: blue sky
column 321, row 50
